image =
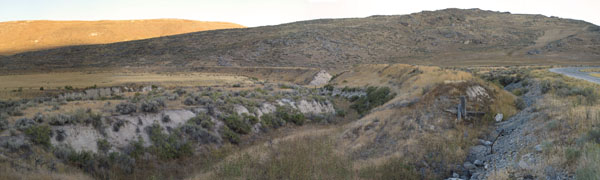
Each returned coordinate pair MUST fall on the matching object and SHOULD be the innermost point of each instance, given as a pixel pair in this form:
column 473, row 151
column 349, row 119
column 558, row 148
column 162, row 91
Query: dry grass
column 595, row 74
column 501, row 174
column 21, row 36
column 590, row 70
column 564, row 126
column 30, row 83
column 421, row 133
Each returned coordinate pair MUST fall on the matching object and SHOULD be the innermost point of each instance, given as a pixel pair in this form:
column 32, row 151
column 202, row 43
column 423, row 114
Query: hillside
column 444, row 37
column 22, row 36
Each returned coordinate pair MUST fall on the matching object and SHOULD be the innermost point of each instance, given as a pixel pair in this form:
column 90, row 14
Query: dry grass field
column 29, row 85
column 22, row 36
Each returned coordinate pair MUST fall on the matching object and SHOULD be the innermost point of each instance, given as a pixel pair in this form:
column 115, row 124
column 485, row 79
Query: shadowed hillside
column 444, row 37
column 22, row 36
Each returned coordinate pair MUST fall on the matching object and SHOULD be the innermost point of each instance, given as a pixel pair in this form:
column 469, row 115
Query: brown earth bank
column 22, row 36
column 444, row 38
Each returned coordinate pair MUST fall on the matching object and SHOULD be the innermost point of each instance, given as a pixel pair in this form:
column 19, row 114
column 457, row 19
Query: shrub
column 199, row 134
column 126, row 108
column 594, row 135
column 328, row 87
column 39, row 118
column 41, row 88
column 572, row 155
column 136, row 148
column 167, row 146
column 3, row 123
column 375, row 97
column 203, row 120
column 545, row 86
column 117, row 125
column 24, row 123
column 270, row 121
column 152, row 105
column 231, row 136
column 180, row 92
column 60, row 135
column 251, row 119
column 84, row 160
column 166, row 118
column 235, row 123
column 340, row 113
column 69, row 88
column 60, row 119
column 39, row 134
column 289, row 114
column 103, row 145
column 588, row 167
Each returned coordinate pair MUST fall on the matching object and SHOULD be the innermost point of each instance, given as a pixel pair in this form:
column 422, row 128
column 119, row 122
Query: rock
column 475, row 176
column 478, row 162
column 321, row 78
column 499, row 117
column 478, row 152
column 469, row 166
column 455, row 175
column 538, row 148
column 485, row 143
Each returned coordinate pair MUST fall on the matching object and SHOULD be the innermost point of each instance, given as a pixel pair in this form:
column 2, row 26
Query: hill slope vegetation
column 444, row 37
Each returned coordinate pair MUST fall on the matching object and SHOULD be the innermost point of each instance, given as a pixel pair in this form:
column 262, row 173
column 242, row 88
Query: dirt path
column 575, row 72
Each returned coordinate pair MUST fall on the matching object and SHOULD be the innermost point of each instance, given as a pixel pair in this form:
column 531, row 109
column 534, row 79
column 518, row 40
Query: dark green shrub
column 39, row 134
column 3, row 122
column 328, row 87
column 136, row 148
column 270, row 121
column 251, row 119
column 69, row 88
column 340, row 113
column 199, row 134
column 103, row 145
column 167, row 146
column 289, row 114
column 84, row 160
column 231, row 136
column 375, row 97
column 572, row 155
column 235, row 123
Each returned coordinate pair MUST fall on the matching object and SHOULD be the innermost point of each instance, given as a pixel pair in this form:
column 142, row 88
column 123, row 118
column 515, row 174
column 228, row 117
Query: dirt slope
column 22, row 36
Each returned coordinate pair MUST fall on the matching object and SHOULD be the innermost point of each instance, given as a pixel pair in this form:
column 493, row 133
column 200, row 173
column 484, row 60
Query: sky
column 254, row 13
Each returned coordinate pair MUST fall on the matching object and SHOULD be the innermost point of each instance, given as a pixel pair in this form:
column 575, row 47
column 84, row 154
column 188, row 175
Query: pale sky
column 271, row 12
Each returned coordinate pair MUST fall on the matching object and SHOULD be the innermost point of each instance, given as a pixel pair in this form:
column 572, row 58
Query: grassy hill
column 444, row 37
column 22, row 36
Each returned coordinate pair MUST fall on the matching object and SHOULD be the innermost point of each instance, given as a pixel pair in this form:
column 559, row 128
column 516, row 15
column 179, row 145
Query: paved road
column 575, row 73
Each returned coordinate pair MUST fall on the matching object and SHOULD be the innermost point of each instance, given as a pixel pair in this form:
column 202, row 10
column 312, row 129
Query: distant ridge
column 450, row 37
column 23, row 36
